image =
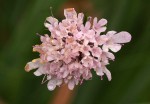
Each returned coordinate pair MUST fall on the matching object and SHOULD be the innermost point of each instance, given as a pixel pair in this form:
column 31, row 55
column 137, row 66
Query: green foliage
column 21, row 19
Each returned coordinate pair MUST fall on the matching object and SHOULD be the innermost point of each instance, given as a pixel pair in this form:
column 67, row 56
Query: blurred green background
column 20, row 20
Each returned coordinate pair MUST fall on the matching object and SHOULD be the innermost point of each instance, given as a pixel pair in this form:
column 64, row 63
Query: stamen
column 38, row 34
column 43, row 80
column 51, row 11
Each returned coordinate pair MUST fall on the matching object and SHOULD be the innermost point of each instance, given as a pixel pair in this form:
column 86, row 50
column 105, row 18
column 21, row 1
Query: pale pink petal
column 101, row 39
column 50, row 58
column 59, row 82
column 51, row 84
column 95, row 21
column 96, row 51
column 108, row 74
column 80, row 19
column 104, row 58
column 99, row 72
column 104, row 38
column 90, row 34
column 45, row 38
column 52, row 20
column 115, row 47
column 78, row 35
column 37, row 73
column 71, row 84
column 49, row 77
column 32, row 65
column 122, row 37
column 85, row 50
column 87, row 61
column 111, row 33
column 65, row 74
column 70, row 13
column 102, row 29
column 96, row 63
column 67, row 60
column 87, row 25
column 110, row 55
column 47, row 25
column 102, row 22
column 80, row 16
column 105, row 48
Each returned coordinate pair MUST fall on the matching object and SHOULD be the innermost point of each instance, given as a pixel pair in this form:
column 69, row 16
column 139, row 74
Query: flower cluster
column 74, row 49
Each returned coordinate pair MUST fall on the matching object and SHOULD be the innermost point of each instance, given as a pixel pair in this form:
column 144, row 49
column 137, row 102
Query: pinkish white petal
column 32, row 65
column 102, row 29
column 96, row 63
column 78, row 35
column 102, row 22
column 108, row 74
column 99, row 72
column 122, row 37
column 37, row 73
column 51, row 84
column 95, row 21
column 105, row 48
column 115, row 47
column 80, row 16
column 90, row 34
column 70, row 13
column 65, row 74
column 50, row 58
column 80, row 19
column 87, row 61
column 71, row 84
column 59, row 82
column 52, row 20
column 110, row 55
column 87, row 25
column 111, row 33
column 96, row 51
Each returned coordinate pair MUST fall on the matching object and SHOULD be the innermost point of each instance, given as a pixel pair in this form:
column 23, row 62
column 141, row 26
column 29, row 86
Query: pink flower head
column 74, row 49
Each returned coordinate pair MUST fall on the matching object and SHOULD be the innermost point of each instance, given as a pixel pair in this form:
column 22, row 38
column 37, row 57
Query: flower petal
column 94, row 21
column 32, row 65
column 59, row 82
column 108, row 74
column 87, row 25
column 122, row 37
column 102, row 29
column 51, row 84
column 71, row 84
column 105, row 48
column 70, row 13
column 96, row 51
column 99, row 72
column 115, row 47
column 51, row 20
column 110, row 55
column 65, row 74
column 110, row 33
column 37, row 73
column 102, row 22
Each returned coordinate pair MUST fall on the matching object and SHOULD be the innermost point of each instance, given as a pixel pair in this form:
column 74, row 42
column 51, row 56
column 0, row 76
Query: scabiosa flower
column 73, row 49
